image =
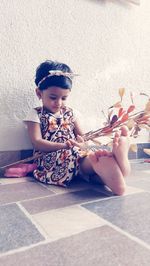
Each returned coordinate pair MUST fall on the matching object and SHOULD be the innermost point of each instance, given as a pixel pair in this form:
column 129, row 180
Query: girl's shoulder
column 66, row 109
column 32, row 116
column 70, row 112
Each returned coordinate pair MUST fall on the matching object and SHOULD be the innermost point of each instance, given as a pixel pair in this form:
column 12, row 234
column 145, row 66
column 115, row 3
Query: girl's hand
column 79, row 143
column 80, row 139
column 84, row 146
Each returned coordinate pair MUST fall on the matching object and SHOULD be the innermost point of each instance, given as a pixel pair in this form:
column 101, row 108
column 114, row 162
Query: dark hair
column 42, row 71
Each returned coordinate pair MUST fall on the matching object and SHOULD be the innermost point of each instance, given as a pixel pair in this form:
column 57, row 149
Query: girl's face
column 53, row 98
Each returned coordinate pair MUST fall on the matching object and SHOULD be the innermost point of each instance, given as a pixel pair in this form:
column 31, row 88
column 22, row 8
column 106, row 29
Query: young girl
column 54, row 130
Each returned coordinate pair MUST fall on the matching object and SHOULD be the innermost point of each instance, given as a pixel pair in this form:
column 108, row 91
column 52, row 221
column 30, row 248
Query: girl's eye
column 52, row 98
column 64, row 99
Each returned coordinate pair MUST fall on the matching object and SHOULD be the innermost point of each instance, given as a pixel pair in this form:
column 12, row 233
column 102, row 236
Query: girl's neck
column 58, row 114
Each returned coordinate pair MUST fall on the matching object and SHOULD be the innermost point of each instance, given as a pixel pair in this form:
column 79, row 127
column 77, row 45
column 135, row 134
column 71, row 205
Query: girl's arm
column 77, row 129
column 78, row 133
column 41, row 144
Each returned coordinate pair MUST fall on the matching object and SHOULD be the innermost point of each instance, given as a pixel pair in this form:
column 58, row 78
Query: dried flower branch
column 118, row 116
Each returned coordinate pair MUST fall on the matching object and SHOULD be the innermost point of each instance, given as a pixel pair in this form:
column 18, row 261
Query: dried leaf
column 116, row 105
column 132, row 95
column 121, row 112
column 124, row 118
column 114, row 119
column 144, row 118
column 147, row 151
column 131, row 108
column 133, row 147
column 144, row 126
column 130, row 124
column 121, row 92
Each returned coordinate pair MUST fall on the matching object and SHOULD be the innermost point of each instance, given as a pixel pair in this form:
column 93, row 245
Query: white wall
column 106, row 41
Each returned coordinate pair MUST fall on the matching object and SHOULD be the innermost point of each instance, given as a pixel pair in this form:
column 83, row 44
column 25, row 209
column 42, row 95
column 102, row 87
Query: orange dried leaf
column 121, row 92
column 124, row 118
column 117, row 105
column 121, row 111
column 131, row 108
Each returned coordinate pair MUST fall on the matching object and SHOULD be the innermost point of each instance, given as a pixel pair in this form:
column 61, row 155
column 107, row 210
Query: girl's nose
column 59, row 102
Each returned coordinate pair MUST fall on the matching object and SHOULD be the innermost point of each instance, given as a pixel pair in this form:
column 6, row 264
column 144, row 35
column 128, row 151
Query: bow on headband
column 58, row 73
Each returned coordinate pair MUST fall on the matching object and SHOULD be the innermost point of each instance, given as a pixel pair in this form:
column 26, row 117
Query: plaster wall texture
column 105, row 41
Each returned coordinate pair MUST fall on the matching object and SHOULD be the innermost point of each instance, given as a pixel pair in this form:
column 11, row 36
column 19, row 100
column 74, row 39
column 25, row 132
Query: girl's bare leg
column 111, row 169
column 106, row 169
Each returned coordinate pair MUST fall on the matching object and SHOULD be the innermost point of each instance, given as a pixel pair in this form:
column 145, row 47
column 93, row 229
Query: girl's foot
column 107, row 171
column 120, row 150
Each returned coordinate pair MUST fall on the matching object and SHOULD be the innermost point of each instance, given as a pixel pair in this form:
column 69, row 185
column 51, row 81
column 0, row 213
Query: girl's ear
column 38, row 93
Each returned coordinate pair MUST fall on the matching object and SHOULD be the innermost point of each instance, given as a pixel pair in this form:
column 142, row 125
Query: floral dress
column 57, row 167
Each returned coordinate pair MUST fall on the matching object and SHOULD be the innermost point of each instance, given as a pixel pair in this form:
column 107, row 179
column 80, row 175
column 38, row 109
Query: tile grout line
column 107, row 197
column 134, row 238
column 73, row 204
column 47, row 241
column 40, row 229
column 26, row 200
column 22, row 249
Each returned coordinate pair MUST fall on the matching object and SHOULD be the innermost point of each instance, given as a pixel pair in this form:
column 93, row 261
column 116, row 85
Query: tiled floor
column 82, row 225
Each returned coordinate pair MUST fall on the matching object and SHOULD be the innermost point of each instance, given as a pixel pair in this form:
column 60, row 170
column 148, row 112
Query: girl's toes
column 115, row 140
column 93, row 157
column 124, row 131
column 99, row 153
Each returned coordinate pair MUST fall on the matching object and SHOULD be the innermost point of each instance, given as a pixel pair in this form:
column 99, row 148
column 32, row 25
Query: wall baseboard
column 7, row 157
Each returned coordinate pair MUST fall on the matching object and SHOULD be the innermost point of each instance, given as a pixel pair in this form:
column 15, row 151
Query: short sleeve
column 32, row 116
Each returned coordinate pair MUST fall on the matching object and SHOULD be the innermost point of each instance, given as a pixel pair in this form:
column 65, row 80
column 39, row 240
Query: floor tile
column 67, row 221
column 132, row 189
column 100, row 246
column 14, row 180
column 74, row 186
column 131, row 213
column 139, row 166
column 60, row 201
column 21, row 191
column 141, row 183
column 16, row 229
